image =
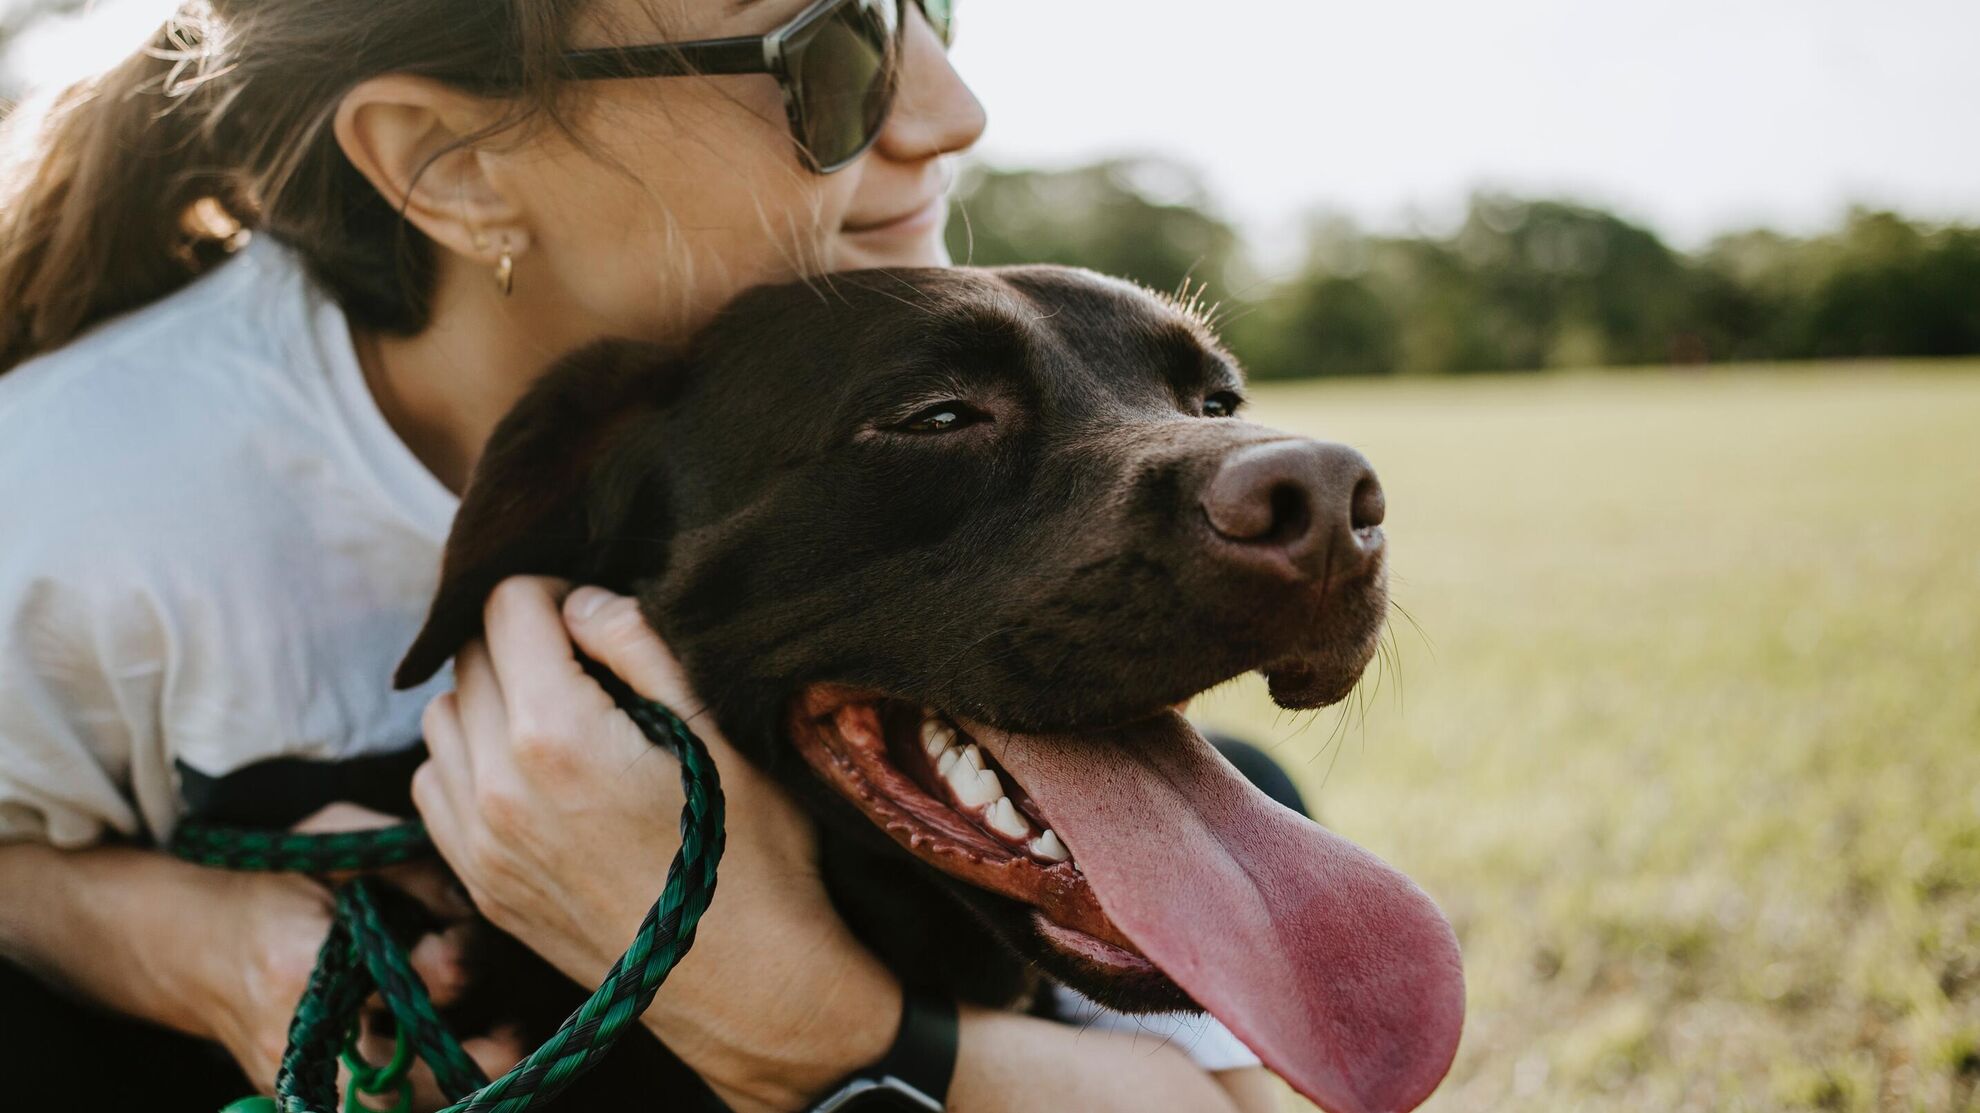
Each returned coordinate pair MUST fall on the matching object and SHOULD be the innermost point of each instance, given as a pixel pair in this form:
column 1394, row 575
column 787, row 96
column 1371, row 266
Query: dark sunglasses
column 838, row 63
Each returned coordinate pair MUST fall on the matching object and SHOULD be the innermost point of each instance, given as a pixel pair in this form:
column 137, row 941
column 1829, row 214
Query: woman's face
column 677, row 193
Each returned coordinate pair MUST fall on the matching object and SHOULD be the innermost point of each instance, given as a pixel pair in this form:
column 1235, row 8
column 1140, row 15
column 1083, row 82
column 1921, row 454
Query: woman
column 228, row 471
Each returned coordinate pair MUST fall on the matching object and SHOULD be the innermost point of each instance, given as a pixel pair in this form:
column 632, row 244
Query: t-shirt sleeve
column 76, row 684
column 1200, row 1036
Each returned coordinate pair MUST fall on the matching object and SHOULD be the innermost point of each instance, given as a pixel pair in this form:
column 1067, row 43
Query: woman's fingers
column 443, row 785
column 497, row 1052
column 611, row 630
column 440, row 960
column 444, row 782
column 558, row 727
column 344, row 816
column 432, row 885
column 499, row 785
column 494, row 1052
column 428, row 882
column 479, row 702
column 425, row 882
column 376, row 1046
column 545, row 692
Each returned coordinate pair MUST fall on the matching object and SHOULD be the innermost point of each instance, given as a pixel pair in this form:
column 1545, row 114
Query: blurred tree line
column 1520, row 284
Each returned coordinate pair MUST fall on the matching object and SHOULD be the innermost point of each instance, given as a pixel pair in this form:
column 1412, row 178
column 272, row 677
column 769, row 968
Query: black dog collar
column 913, row 1076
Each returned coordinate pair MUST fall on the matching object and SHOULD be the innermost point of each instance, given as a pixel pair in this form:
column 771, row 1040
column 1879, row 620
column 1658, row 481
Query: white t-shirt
column 213, row 551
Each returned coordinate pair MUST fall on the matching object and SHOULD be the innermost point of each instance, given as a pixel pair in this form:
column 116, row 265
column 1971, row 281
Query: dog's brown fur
column 1045, row 568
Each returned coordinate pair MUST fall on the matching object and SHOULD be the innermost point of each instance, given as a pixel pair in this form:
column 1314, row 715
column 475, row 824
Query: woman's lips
column 916, row 221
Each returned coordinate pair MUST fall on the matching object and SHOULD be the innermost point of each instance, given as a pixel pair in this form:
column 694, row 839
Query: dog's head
column 943, row 550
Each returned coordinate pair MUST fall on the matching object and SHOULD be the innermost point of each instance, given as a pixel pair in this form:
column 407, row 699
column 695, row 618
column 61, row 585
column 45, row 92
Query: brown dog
column 942, row 550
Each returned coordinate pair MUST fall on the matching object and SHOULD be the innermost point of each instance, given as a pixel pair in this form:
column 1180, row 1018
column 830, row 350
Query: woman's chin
column 883, row 248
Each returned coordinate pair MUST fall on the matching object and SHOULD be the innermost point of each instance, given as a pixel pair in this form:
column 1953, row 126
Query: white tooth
column 948, row 762
column 1049, row 847
column 974, row 788
column 1005, row 820
column 936, row 736
column 974, row 756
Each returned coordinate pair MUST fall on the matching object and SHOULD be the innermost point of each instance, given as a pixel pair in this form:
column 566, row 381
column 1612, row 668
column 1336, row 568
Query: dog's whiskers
column 1390, row 658
column 1417, row 626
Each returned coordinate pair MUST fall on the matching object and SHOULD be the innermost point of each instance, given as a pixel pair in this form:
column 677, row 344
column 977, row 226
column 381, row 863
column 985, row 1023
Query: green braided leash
column 361, row 955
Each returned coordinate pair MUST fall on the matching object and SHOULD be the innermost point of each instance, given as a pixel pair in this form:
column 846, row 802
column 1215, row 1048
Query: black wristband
column 914, row 1074
column 924, row 1051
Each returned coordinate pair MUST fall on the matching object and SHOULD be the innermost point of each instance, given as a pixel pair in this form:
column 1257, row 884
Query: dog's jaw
column 869, row 749
column 842, row 734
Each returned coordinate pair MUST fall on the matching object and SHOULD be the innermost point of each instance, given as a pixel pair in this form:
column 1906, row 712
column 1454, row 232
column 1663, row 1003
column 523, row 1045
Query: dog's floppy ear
column 532, row 506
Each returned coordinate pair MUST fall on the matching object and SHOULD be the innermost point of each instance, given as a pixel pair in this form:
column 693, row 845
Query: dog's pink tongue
column 1337, row 970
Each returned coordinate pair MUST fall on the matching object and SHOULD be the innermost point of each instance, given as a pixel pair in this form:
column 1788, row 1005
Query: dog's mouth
column 925, row 780
column 1146, row 859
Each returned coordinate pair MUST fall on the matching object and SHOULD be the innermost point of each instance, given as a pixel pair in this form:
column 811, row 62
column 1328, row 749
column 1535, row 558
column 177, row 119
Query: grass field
column 1688, row 745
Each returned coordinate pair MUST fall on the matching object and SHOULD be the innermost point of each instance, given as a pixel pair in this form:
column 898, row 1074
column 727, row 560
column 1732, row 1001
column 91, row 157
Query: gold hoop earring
column 505, row 273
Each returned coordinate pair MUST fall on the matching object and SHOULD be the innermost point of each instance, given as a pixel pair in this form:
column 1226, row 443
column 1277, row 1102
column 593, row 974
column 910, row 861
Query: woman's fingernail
column 585, row 601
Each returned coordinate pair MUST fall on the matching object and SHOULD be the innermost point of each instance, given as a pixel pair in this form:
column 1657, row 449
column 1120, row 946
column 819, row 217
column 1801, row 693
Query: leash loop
column 388, row 1079
column 361, row 956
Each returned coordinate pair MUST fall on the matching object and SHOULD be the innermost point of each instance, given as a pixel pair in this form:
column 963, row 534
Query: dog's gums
column 921, row 779
column 947, row 809
column 875, row 752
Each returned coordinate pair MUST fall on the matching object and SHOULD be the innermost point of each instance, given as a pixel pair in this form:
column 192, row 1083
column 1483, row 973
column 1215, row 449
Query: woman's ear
column 411, row 138
column 564, row 474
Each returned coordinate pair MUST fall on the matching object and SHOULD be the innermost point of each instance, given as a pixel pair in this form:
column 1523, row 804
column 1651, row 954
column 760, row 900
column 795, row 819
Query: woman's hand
column 269, row 939
column 561, row 818
column 215, row 954
column 266, row 946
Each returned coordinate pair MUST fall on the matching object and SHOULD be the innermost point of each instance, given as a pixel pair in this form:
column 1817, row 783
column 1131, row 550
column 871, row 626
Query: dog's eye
column 1223, row 403
column 943, row 417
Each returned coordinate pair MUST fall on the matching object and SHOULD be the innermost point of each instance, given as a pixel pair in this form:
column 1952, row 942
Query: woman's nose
column 934, row 111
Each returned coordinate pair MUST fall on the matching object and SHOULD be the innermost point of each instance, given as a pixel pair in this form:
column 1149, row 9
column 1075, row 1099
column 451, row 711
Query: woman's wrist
column 830, row 1009
column 133, row 930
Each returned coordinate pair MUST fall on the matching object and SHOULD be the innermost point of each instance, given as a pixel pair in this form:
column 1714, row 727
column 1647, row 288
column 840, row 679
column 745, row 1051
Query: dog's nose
column 1305, row 506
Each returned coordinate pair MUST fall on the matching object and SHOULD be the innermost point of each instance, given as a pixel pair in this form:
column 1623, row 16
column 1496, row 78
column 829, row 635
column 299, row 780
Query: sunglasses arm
column 712, row 56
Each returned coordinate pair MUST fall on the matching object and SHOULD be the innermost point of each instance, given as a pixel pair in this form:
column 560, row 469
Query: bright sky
column 1694, row 115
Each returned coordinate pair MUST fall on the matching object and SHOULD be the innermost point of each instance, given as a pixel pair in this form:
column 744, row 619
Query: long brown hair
column 127, row 185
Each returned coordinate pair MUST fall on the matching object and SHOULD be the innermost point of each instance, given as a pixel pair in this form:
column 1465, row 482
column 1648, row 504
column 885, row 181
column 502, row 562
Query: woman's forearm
column 129, row 929
column 1008, row 1063
column 218, row 955
column 777, row 1060
column 771, row 1023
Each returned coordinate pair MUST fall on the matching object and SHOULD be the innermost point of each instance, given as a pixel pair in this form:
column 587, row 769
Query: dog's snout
column 1305, row 506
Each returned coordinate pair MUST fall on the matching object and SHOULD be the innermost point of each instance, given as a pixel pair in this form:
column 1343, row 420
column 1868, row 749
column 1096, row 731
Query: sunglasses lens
column 843, row 75
column 942, row 17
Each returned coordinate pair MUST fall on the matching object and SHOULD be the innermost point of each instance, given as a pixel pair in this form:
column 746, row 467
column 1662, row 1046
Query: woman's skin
column 671, row 196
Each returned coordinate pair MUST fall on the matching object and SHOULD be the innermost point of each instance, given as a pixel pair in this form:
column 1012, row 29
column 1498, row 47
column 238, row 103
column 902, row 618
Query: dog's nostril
column 1369, row 506
column 1292, row 513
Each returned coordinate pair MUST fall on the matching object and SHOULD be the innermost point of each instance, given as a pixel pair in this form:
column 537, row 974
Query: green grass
column 1688, row 746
